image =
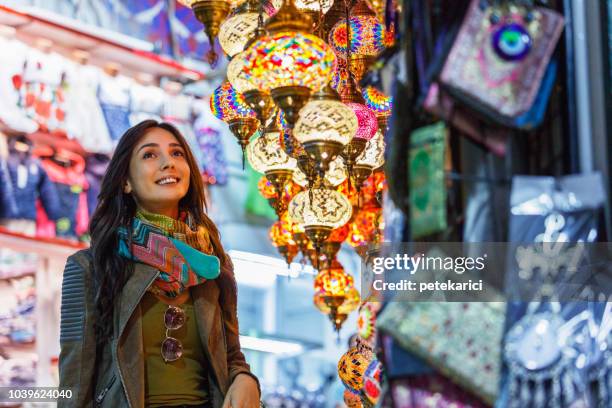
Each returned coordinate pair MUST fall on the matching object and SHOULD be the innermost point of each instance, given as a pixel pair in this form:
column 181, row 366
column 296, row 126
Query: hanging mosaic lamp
column 335, row 175
column 238, row 28
column 290, row 63
column 320, row 211
column 372, row 158
column 367, row 36
column 211, row 14
column 314, row 8
column 331, row 246
column 340, row 75
column 333, row 288
column 324, row 127
column 352, row 367
column 287, row 142
column 282, row 239
column 379, row 103
column 322, row 302
column 229, row 106
column 336, row 13
column 364, row 227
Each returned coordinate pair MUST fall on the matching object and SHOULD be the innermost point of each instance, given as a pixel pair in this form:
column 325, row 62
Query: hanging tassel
column 568, row 387
column 540, row 397
column 555, row 401
column 525, row 394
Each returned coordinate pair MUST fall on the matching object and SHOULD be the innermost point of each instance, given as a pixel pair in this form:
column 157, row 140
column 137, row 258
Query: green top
column 179, row 382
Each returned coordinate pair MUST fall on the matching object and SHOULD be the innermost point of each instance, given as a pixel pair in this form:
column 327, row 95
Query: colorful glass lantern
column 289, row 59
column 324, row 127
column 282, row 239
column 350, row 304
column 236, row 30
column 364, row 226
column 377, row 101
column 321, row 209
column 334, row 176
column 368, row 124
column 333, row 280
column 372, row 389
column 264, row 153
column 340, row 75
column 229, row 106
column 266, row 189
column 314, row 5
column 374, row 154
column 367, row 36
column 211, row 14
column 366, row 323
column 352, row 399
column 352, row 367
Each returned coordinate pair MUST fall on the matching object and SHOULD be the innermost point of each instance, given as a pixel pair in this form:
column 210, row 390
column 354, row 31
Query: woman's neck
column 172, row 212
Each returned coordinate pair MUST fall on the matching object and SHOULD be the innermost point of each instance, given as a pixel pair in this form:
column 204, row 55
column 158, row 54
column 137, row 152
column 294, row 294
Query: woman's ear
column 127, row 188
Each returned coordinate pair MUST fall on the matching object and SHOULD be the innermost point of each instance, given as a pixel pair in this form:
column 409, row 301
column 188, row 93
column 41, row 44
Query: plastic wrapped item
column 557, row 349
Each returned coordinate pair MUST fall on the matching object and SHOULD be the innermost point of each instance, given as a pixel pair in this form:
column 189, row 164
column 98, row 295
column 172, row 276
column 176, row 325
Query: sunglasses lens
column 172, row 349
column 174, row 318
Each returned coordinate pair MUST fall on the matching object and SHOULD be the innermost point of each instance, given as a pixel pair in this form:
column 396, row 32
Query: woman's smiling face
column 159, row 173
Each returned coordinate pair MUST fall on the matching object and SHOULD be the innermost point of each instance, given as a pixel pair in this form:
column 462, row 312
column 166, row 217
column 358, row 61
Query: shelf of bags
column 54, row 247
column 104, row 46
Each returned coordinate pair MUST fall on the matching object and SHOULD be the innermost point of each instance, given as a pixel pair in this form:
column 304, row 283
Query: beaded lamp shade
column 327, row 208
column 264, row 154
column 266, row 189
column 334, row 176
column 378, row 102
column 289, row 59
column 328, row 120
column 235, row 32
column 226, row 104
column 374, row 154
column 367, row 36
column 368, row 125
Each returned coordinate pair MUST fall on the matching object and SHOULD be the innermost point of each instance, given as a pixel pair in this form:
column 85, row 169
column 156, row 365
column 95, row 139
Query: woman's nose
column 168, row 162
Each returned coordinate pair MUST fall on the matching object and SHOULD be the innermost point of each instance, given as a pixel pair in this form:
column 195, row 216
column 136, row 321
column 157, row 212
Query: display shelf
column 54, row 247
column 104, row 46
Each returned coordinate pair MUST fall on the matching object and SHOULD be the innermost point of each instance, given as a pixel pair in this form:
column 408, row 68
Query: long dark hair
column 116, row 208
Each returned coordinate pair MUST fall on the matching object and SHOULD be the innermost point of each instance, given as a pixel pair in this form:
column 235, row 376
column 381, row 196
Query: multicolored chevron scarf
column 179, row 251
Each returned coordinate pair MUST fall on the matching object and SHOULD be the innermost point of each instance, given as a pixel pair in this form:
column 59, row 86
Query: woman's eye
column 179, row 153
column 147, row 155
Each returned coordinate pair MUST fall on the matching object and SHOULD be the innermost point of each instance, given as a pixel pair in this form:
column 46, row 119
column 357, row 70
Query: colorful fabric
column 181, row 253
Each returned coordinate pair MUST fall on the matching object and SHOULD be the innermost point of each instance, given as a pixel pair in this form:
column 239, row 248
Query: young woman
column 149, row 311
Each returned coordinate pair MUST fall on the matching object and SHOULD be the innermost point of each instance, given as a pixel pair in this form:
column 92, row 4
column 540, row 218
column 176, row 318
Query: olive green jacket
column 117, row 379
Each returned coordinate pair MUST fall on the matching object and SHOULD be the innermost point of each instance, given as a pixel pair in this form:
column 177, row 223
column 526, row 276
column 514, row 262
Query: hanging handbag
column 449, row 337
column 500, row 57
column 426, row 170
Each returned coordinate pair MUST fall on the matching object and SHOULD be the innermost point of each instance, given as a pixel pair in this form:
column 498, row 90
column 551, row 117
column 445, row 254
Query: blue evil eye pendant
column 512, row 42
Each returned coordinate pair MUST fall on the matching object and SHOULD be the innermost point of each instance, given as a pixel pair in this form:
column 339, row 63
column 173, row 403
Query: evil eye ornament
column 512, row 42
